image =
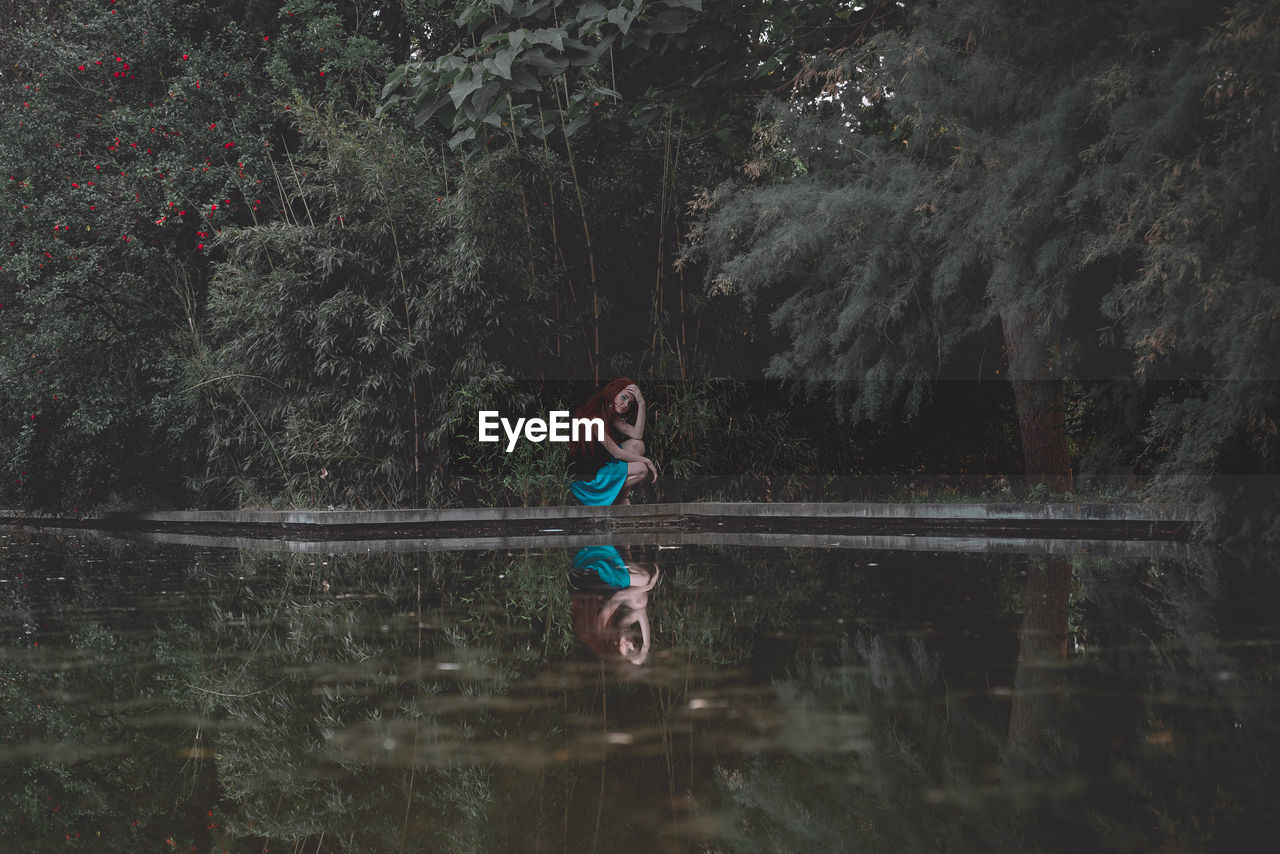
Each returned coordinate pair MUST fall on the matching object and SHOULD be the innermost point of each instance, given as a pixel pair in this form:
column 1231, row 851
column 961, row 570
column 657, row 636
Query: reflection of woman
column 613, row 617
column 603, row 472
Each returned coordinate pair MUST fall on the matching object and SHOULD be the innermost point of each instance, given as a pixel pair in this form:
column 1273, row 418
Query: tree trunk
column 1040, row 411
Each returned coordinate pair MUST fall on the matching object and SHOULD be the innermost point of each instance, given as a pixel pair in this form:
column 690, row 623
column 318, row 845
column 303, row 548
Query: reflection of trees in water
column 442, row 701
column 1042, row 649
column 297, row 696
column 868, row 788
column 1198, row 640
column 1156, row 734
column 337, row 689
column 215, row 694
column 88, row 757
column 702, row 613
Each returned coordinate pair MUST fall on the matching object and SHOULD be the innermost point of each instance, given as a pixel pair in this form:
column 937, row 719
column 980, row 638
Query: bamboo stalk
column 301, row 193
column 662, row 228
column 586, row 231
column 555, row 232
column 408, row 325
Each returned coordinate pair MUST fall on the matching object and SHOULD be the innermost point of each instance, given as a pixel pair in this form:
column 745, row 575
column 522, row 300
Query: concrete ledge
column 1072, row 520
column 1091, row 512
column 1069, row 512
column 676, row 539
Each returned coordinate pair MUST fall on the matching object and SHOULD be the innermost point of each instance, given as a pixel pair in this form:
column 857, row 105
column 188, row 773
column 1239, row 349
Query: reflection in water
column 174, row 698
column 1042, row 647
column 611, row 602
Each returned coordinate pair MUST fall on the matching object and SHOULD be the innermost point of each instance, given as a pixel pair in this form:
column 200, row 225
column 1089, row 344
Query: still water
column 185, row 698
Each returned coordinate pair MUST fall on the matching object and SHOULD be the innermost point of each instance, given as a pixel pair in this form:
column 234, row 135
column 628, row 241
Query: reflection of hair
column 586, row 611
column 599, row 405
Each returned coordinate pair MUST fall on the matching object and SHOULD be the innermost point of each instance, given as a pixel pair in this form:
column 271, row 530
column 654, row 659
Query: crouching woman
column 604, row 471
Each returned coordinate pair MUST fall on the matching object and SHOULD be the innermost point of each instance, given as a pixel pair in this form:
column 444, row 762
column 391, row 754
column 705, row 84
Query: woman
column 603, row 472
column 610, row 606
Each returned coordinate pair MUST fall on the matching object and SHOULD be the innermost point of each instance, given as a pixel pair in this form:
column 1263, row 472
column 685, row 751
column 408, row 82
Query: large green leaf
column 502, row 62
column 548, row 66
column 428, row 109
column 548, row 36
column 464, row 135
column 621, row 18
column 395, row 79
column 465, row 84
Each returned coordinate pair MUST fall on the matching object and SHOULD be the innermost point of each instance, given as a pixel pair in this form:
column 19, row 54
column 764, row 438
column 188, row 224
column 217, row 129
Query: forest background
column 280, row 252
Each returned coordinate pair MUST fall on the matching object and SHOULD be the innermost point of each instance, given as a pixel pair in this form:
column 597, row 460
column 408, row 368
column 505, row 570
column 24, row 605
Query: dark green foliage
column 138, row 133
column 512, row 79
column 351, row 340
column 1202, row 305
column 908, row 224
column 532, row 69
column 1090, row 182
column 123, row 155
column 1094, row 178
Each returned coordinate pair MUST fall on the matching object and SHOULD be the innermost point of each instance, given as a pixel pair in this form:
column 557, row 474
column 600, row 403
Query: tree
column 641, row 103
column 350, row 341
column 139, row 132
column 132, row 141
column 529, row 69
column 981, row 172
column 1184, row 178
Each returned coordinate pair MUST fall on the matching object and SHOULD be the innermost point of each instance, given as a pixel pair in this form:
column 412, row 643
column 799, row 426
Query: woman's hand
column 651, row 469
column 636, row 393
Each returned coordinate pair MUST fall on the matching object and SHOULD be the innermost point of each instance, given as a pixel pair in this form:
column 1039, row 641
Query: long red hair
column 599, row 405
column 602, row 638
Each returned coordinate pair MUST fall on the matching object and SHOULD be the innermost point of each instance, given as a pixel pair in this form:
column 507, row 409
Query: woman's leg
column 636, row 473
column 635, row 446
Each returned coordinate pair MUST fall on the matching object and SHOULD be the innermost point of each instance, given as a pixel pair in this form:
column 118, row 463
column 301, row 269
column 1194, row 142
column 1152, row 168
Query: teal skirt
column 602, row 564
column 604, row 487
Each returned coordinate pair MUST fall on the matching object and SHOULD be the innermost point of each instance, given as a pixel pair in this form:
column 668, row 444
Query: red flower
column 229, row 145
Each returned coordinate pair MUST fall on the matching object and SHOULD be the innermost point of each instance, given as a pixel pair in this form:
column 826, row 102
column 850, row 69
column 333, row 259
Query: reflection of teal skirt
column 604, row 563
column 604, row 487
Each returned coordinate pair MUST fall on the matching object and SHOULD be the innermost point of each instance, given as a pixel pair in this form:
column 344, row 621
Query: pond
column 160, row 696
